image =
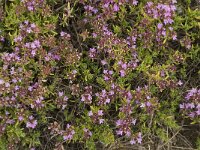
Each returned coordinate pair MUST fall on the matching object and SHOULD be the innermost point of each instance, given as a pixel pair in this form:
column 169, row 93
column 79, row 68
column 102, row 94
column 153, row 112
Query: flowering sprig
column 68, row 133
column 191, row 105
column 33, row 5
column 87, row 133
column 136, row 139
column 62, row 100
column 124, row 126
column 104, row 97
column 38, row 103
column 162, row 11
column 87, row 96
column 144, row 99
column 31, row 122
column 96, row 117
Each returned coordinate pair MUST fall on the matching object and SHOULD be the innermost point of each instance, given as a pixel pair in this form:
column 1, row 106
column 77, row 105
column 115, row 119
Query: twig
column 169, row 139
column 186, row 140
column 187, row 148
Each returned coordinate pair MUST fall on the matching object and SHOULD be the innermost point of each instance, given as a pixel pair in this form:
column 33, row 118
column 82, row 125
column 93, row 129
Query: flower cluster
column 187, row 42
column 31, row 123
column 162, row 77
column 145, row 100
column 191, row 104
column 38, row 104
column 123, row 67
column 87, row 133
column 136, row 139
column 104, row 97
column 165, row 12
column 26, row 27
column 96, row 116
column 87, row 96
column 33, row 4
column 124, row 126
column 93, row 53
column 68, row 133
column 61, row 101
column 55, row 128
column 107, row 75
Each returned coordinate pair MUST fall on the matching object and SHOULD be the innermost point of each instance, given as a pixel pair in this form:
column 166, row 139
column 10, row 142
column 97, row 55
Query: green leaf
column 101, row 81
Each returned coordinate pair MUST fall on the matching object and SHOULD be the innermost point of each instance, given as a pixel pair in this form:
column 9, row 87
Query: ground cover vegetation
column 99, row 74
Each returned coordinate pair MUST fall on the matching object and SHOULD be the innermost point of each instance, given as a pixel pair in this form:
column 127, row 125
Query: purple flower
column 101, row 121
column 119, row 132
column 116, row 7
column 29, row 30
column 174, row 37
column 33, row 46
column 174, row 1
column 31, row 123
column 62, row 33
column 94, row 35
column 30, row 88
column 139, row 138
column 122, row 73
column 119, row 122
column 10, row 121
column 106, row 5
column 192, row 115
column 148, row 104
column 191, row 105
column 159, row 26
column 90, row 113
column 180, row 83
column 2, row 81
column 133, row 142
column 181, row 106
column 134, row 121
column 7, row 84
column 193, row 91
column 33, row 53
column 92, row 53
column 60, row 94
column 20, row 118
column 135, row 2
column 100, row 112
column 198, row 112
column 68, row 133
column 37, row 43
